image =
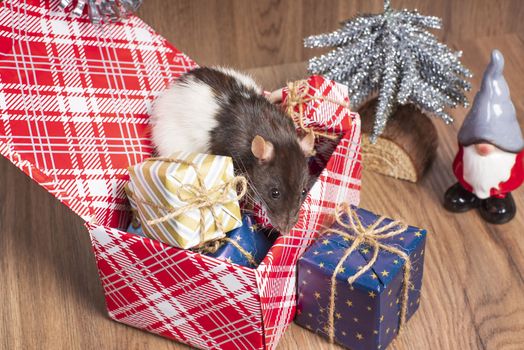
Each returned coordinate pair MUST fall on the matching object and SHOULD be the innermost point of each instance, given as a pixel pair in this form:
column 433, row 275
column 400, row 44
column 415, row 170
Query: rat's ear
column 307, row 144
column 263, row 150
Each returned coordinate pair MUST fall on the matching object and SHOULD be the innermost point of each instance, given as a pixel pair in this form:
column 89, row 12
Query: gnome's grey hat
column 492, row 117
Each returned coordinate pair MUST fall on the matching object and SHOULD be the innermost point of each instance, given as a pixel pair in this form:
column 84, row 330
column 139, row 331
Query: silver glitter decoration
column 392, row 53
column 103, row 10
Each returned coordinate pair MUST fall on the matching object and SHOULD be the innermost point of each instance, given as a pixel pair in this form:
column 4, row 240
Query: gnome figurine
column 490, row 161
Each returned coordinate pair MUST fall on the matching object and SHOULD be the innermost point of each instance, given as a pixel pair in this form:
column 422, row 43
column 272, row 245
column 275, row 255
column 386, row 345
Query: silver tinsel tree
column 392, row 53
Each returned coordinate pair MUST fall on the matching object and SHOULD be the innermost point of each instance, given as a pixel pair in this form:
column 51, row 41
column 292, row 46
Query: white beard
column 486, row 172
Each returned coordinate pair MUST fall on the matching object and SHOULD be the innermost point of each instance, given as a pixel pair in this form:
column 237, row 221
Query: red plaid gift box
column 322, row 106
column 74, row 100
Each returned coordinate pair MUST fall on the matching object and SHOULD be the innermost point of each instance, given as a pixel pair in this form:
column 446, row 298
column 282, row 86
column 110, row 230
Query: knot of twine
column 372, row 237
column 297, row 96
column 198, row 197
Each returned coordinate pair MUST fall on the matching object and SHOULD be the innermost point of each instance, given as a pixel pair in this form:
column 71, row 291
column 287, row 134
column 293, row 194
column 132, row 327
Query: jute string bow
column 199, row 197
column 297, row 96
column 370, row 236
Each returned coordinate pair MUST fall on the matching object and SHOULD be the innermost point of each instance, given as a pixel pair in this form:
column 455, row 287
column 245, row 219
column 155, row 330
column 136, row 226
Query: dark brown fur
column 244, row 114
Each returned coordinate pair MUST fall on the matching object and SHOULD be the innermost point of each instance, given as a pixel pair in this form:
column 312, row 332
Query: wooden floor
column 473, row 292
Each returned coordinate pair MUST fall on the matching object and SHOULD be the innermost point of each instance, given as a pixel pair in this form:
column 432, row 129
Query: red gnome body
column 490, row 162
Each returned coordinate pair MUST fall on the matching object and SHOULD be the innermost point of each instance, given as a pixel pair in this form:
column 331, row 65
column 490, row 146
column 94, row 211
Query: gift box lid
column 74, row 99
column 328, row 250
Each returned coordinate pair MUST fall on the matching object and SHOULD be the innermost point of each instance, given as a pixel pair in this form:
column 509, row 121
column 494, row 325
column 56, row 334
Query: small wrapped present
column 136, row 228
column 360, row 281
column 186, row 200
column 246, row 245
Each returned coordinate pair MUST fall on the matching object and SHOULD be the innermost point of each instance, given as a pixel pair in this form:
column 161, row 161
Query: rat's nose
column 289, row 224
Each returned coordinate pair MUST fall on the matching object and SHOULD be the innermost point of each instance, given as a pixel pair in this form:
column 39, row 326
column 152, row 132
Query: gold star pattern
column 309, row 271
column 398, row 300
column 360, row 267
column 229, row 260
column 326, row 329
column 355, row 319
column 310, row 314
column 351, row 287
column 338, row 316
column 321, row 264
column 395, row 261
column 418, row 234
column 359, row 336
column 369, row 308
column 342, row 269
column 365, row 250
column 254, row 227
column 374, row 276
column 315, row 252
column 304, row 282
column 317, row 295
column 385, row 273
column 422, row 252
column 390, row 291
column 325, row 242
column 387, row 331
column 379, row 347
column 375, row 332
column 344, row 333
column 372, row 294
column 391, row 304
column 330, row 252
column 346, row 239
column 381, row 318
column 238, row 238
column 321, row 310
column 349, row 303
column 401, row 238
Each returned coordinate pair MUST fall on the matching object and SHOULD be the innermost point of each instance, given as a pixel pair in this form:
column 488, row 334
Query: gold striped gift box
column 187, row 199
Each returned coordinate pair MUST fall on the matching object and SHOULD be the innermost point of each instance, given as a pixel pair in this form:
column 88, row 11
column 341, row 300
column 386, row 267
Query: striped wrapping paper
column 159, row 187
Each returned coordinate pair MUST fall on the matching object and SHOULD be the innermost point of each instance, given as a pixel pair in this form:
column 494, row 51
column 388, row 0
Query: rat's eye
column 304, row 192
column 275, row 193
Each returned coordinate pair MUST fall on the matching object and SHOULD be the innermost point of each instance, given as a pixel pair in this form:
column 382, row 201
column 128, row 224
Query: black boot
column 498, row 210
column 458, row 200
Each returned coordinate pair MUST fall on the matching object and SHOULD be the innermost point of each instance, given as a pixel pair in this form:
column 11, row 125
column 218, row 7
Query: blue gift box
column 367, row 313
column 135, row 228
column 246, row 245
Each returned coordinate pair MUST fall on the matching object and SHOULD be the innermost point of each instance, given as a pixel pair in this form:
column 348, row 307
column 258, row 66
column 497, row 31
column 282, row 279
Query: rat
column 224, row 112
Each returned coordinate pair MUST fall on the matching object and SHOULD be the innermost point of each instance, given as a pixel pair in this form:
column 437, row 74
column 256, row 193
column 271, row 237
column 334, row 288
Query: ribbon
column 201, row 198
column 212, row 247
column 372, row 237
column 297, row 96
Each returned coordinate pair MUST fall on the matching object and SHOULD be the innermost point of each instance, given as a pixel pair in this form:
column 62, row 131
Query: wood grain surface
column 473, row 291
column 254, row 33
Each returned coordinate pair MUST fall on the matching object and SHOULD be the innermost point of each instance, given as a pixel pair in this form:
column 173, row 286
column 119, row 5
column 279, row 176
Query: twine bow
column 198, row 197
column 372, row 237
column 297, row 96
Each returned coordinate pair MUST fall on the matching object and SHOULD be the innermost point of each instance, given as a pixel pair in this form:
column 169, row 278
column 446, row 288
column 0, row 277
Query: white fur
column 244, row 79
column 486, row 172
column 182, row 117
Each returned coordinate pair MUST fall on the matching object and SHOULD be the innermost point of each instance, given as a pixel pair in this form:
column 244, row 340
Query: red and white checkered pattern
column 73, row 105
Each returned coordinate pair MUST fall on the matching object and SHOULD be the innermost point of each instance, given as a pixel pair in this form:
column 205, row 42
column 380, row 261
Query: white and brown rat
column 222, row 111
